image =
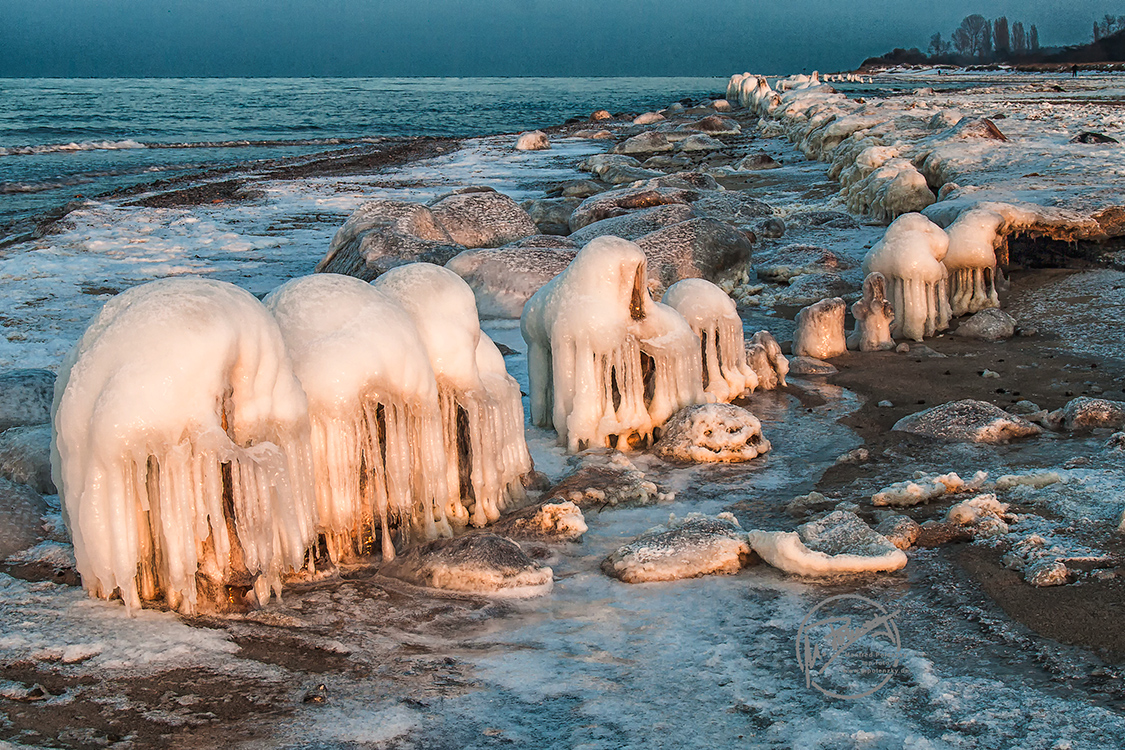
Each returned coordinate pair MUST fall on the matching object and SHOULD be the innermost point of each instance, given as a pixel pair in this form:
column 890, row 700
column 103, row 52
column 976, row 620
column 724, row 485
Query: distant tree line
column 1108, row 26
column 980, row 40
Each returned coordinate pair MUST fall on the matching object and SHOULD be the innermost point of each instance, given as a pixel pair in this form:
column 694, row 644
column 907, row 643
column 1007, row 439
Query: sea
column 62, row 139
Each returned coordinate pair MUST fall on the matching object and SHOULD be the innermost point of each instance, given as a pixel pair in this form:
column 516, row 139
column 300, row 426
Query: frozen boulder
column 485, row 564
column 697, row 248
column 503, row 279
column 820, row 330
column 754, row 162
column 25, row 457
column 991, row 324
column 873, row 317
column 645, row 143
column 967, row 421
column 21, row 518
column 713, row 317
column 690, row 547
column 701, row 142
column 624, row 200
column 901, row 531
column 1039, row 562
column 25, row 397
column 555, row 520
column 731, row 206
column 647, row 118
column 383, row 234
column 839, row 543
column 783, row 264
column 605, row 478
column 909, row 256
column 710, row 433
column 971, row 260
column 977, row 128
column 599, row 163
column 1084, row 414
column 636, row 224
column 984, row 515
column 766, row 360
column 534, row 140
column 551, row 215
column 482, row 218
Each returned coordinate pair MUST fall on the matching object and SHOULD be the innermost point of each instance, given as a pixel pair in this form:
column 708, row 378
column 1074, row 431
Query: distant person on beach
column 1073, row 71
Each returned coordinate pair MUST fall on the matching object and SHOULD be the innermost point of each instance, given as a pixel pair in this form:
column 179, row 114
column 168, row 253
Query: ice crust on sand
column 839, row 543
column 377, row 442
column 689, row 547
column 713, row 317
column 709, row 433
column 181, row 447
column 473, row 564
column 607, row 364
column 481, row 408
column 909, row 256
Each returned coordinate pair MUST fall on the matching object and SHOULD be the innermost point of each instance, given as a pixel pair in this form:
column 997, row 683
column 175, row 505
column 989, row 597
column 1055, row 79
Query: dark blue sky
column 488, row 37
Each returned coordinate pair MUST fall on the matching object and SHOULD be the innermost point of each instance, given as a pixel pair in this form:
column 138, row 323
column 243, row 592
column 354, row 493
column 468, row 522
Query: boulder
column 710, row 433
column 623, row 174
column 535, row 140
column 574, row 189
column 645, row 143
column 606, row 478
column 648, row 118
column 21, row 518
column 552, row 215
column 697, row 248
column 714, row 125
column 701, row 142
column 754, row 162
column 482, row 219
column 810, row 288
column 636, row 224
column 1084, row 414
column 780, row 265
column 839, row 543
column 901, row 531
column 824, row 219
column 967, row 421
column 732, row 206
column 623, row 200
column 503, row 279
column 25, row 397
column 556, row 521
column 1089, row 136
column 475, row 563
column 991, row 324
column 598, row 163
column 667, row 162
column 694, row 546
column 25, row 457
column 810, row 367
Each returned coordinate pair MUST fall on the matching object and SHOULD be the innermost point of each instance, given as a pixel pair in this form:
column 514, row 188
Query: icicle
column 971, row 259
column 909, row 255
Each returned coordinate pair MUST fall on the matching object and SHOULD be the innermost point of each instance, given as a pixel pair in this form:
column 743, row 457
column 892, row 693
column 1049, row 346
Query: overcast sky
column 489, row 37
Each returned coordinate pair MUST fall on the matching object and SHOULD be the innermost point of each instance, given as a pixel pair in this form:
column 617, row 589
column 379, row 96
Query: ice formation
column 820, row 330
column 707, row 433
column 984, row 513
column 909, row 255
column 555, row 520
column 924, row 488
column 713, row 317
column 689, row 547
column 971, row 260
column 607, row 478
column 607, row 364
column 481, row 409
column 764, row 356
column 790, row 551
column 377, row 443
column 873, row 317
column 181, row 447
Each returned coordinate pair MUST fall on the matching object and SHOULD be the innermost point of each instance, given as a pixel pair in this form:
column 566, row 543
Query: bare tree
column 1019, row 38
column 1033, row 39
column 973, row 36
column 1000, row 39
column 936, row 44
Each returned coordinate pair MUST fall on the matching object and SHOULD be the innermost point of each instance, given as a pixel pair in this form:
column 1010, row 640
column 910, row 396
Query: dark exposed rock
column 781, row 264
column 623, row 200
column 25, row 397
column 967, row 421
column 25, row 457
column 1089, row 136
column 552, row 215
column 731, row 206
column 697, row 248
column 632, row 226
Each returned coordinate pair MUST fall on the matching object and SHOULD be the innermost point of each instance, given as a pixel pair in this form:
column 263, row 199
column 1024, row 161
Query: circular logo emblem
column 848, row 646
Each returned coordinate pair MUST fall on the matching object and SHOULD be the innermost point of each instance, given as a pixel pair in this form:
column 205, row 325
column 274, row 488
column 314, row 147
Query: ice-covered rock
column 839, row 543
column 873, row 317
column 25, row 457
column 925, row 487
column 533, row 140
column 969, row 421
column 713, row 317
column 607, row 365
column 503, row 279
column 485, row 564
column 781, row 265
column 377, row 440
column 606, row 478
column 551, row 215
column 764, row 356
column 25, row 397
column 645, row 143
column 820, row 330
column 21, row 518
column 701, row 142
column 697, row 248
column 382, row 234
column 971, row 260
column 709, row 433
column 647, row 118
column 481, row 407
column 597, row 164
column 909, row 255
column 181, row 449
column 636, row 224
column 901, row 531
column 689, row 547
column 810, row 367
column 555, row 520
column 990, row 324
column 482, row 217
column 1038, row 560
column 623, row 200
column 984, row 514
column 1084, row 414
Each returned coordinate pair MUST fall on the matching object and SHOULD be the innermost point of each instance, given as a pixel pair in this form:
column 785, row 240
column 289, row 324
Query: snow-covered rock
column 984, row 514
column 839, row 543
column 25, row 457
column 481, row 217
column 606, row 478
column 709, row 433
column 901, row 531
column 967, row 421
column 689, row 547
column 485, row 564
column 924, row 488
column 533, row 140
column 556, row 520
column 990, row 324
column 764, row 356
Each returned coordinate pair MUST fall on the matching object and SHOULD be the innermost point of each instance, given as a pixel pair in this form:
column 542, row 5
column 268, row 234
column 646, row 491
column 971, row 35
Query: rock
column 560, row 520
column 598, row 135
column 1089, row 136
column 939, row 533
column 982, row 128
column 924, row 488
column 25, row 457
column 1052, row 573
column 687, row 548
column 645, row 143
column 383, row 234
column 771, row 228
column 599, row 163
column 600, row 115
column 474, row 563
column 1116, row 441
column 968, row 421
column 535, row 140
column 697, row 248
column 687, row 180
column 667, row 162
column 991, row 324
column 606, row 478
column 808, row 366
column 824, row 219
column 820, row 330
column 25, row 397
column 1084, row 414
column 721, row 105
column 811, row 288
column 482, row 219
column 709, row 433
column 701, row 142
column 781, row 265
column 636, row 224
column 552, row 215
column 885, row 404
column 21, row 518
column 901, row 531
column 843, row 533
column 1024, row 408
column 503, row 279
column 714, row 125
column 574, row 189
column 648, row 118
column 983, row 514
column 624, row 200
column 754, row 162
column 1038, row 560
column 731, row 206
column 618, row 174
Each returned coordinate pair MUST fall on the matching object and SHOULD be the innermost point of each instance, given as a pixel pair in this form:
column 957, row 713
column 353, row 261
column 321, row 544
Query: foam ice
column 607, row 365
column 377, row 443
column 971, row 260
column 924, row 488
column 909, row 255
column 765, row 358
column 180, row 447
column 481, row 409
column 713, row 316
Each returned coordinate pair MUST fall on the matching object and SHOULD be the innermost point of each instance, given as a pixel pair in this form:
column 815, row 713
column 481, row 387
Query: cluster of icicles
column 207, row 444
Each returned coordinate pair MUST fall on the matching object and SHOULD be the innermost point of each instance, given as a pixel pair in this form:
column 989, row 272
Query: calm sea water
column 64, row 137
